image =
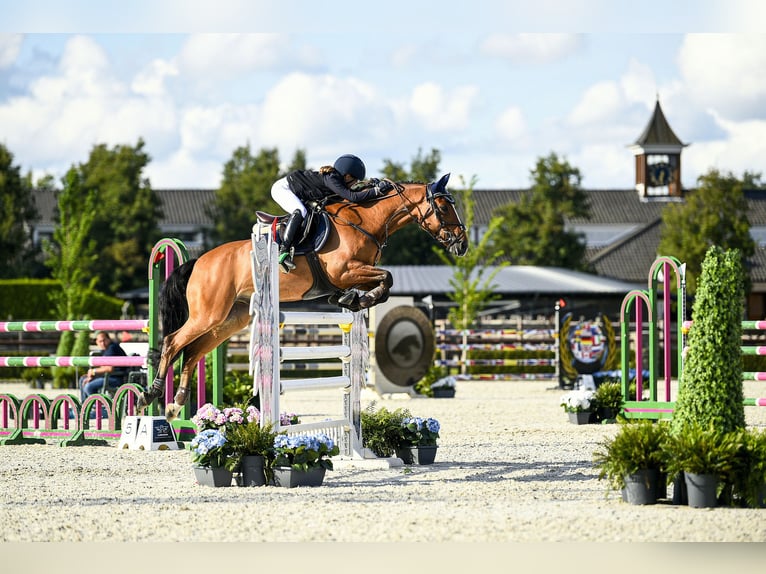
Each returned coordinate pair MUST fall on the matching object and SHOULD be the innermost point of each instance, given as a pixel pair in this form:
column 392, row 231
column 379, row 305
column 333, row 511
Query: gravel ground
column 510, row 468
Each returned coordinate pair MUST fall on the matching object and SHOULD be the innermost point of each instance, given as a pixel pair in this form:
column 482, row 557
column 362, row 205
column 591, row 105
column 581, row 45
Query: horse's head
column 435, row 213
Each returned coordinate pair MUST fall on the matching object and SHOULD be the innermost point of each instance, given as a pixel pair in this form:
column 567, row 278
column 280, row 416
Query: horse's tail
column 173, row 307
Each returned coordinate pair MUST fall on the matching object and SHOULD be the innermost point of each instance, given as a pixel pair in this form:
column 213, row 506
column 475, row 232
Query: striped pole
column 96, row 361
column 97, row 325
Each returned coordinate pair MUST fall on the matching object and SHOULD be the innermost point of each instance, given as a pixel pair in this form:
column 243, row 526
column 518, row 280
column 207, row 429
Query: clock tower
column 658, row 159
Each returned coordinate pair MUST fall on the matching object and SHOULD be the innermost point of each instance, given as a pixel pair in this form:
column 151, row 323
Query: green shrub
column 750, row 482
column 710, row 391
column 382, row 429
column 609, row 396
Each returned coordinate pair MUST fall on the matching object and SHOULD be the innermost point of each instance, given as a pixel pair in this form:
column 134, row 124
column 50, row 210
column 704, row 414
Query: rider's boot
column 286, row 249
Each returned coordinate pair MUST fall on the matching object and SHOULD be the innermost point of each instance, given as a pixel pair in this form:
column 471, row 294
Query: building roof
column 181, row 207
column 658, row 131
column 514, row 280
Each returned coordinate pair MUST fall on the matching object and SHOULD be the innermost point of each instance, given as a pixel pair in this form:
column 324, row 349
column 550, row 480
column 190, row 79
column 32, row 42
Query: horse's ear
column 441, row 185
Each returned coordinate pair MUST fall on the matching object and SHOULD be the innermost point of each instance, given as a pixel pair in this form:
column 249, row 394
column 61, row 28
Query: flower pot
column 606, row 414
column 252, row 471
column 662, row 485
column 641, row 487
column 581, row 418
column 701, row 489
column 212, row 475
column 680, row 496
column 443, row 392
column 417, row 454
column 288, row 477
column 762, row 496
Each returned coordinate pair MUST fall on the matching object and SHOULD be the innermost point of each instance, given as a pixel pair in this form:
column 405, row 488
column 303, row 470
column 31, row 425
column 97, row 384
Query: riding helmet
column 350, row 165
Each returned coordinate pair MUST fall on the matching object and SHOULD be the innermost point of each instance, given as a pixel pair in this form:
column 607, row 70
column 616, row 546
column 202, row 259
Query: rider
column 344, row 178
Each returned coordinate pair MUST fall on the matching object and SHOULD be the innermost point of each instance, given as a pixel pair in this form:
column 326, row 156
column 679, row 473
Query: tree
column 714, row 214
column 534, row 231
column 71, row 257
column 407, row 246
column 127, row 213
column 246, row 187
column 17, row 213
column 473, row 274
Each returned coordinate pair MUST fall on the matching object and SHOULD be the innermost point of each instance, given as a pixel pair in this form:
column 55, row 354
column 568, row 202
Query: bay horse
column 206, row 300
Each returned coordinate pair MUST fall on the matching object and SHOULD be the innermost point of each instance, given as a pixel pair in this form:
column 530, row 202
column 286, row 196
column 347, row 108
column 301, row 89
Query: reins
column 408, row 207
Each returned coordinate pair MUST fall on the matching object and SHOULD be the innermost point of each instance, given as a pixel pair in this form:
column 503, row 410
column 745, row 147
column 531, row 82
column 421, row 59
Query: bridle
column 447, row 234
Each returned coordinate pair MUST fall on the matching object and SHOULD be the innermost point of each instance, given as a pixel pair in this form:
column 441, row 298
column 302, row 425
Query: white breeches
column 284, row 196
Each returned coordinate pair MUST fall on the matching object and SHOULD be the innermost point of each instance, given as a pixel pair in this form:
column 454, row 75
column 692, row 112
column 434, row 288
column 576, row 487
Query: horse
column 206, row 300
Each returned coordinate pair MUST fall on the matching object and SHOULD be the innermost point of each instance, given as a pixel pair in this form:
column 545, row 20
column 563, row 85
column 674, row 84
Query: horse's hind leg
column 237, row 320
column 171, row 347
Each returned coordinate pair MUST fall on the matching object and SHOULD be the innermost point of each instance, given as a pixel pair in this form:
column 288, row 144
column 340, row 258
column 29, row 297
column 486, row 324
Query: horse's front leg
column 378, row 289
column 375, row 296
column 157, row 389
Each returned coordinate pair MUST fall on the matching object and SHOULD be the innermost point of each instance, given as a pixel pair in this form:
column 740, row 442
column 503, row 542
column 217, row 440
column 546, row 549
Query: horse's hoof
column 143, row 402
column 172, row 411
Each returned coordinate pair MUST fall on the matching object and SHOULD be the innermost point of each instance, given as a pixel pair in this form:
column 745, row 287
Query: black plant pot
column 641, row 487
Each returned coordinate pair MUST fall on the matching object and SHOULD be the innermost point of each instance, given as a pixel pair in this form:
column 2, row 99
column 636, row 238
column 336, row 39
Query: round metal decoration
column 404, row 345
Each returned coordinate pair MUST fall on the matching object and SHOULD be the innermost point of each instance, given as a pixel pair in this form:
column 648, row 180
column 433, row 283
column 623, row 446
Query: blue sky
column 493, row 86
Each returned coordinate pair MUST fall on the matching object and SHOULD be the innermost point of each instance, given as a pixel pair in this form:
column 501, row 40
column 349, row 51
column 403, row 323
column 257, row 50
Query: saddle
column 315, row 232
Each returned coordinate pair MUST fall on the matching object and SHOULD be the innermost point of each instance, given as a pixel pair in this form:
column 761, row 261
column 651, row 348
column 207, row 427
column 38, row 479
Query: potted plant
column 302, row 460
column 706, row 458
column 608, row 401
column 211, row 458
column 381, row 429
column 632, row 461
column 252, row 448
column 436, row 383
column 578, row 405
column 418, row 440
column 249, row 446
column 444, row 387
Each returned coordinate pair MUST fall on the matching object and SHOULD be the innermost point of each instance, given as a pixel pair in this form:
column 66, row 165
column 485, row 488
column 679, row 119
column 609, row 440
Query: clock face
column 660, row 174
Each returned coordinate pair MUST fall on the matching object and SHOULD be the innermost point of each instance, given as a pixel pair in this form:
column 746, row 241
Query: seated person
column 93, row 381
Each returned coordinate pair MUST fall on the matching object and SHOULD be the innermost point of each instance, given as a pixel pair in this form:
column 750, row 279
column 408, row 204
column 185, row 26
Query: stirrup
column 286, row 261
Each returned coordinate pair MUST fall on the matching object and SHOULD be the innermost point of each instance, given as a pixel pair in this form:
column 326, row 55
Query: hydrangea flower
column 209, row 448
column 304, row 451
column 419, row 431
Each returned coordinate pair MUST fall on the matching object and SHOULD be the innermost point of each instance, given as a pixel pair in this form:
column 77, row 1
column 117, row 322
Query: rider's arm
column 334, row 182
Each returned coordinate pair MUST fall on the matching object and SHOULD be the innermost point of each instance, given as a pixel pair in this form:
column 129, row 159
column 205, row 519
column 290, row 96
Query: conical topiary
column 711, row 382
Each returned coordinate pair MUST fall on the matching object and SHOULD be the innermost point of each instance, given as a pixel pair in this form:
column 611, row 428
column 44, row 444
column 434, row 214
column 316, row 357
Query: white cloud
column 740, row 149
column 638, row 84
column 511, row 126
column 726, row 72
column 151, row 80
column 531, row 48
column 184, row 170
column 10, row 46
column 322, row 114
column 82, row 104
column 224, row 56
column 217, row 130
column 600, row 103
column 440, row 110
